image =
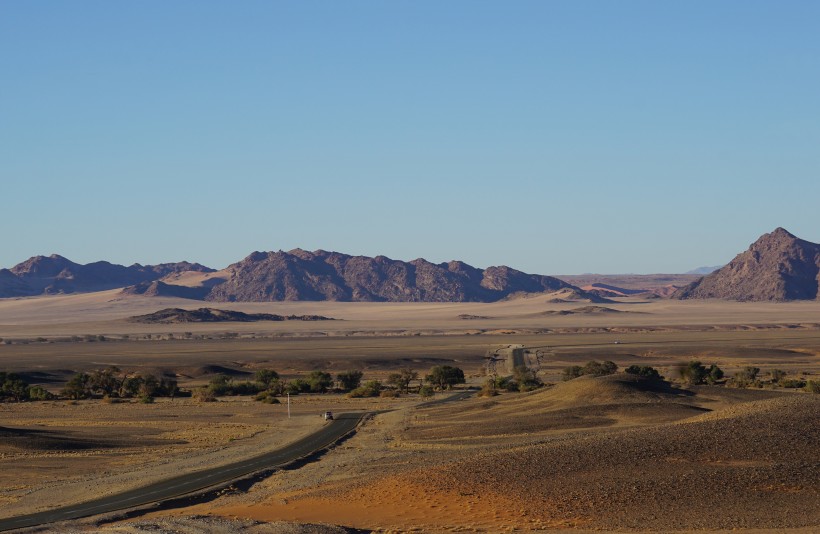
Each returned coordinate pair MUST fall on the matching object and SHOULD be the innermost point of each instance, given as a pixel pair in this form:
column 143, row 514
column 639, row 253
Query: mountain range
column 777, row 267
column 283, row 276
column 55, row 274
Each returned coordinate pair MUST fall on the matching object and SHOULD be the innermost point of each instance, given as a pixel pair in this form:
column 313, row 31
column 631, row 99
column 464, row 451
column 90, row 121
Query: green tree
column 105, row 381
column 445, row 376
column 777, row 375
column 402, row 379
column 573, row 371
column 600, row 368
column 319, row 381
column 644, row 370
column 266, row 377
column 220, row 384
column 37, row 393
column 130, row 386
column 350, row 380
column 526, row 378
column 746, row 377
column 77, row 387
column 371, row 388
column 695, row 373
column 14, row 388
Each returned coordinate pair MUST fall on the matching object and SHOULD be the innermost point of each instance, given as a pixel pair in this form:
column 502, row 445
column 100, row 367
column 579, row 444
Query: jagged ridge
column 321, row 275
column 55, row 274
column 776, row 267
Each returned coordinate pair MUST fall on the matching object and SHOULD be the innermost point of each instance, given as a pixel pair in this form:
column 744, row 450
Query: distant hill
column 321, row 275
column 776, row 267
column 55, row 274
column 212, row 315
column 704, row 270
column 622, row 285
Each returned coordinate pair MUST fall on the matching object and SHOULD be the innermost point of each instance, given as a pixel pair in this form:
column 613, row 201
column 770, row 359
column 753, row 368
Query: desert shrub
column 714, row 374
column 203, row 394
column 526, row 379
column 296, row 386
column 389, row 394
column 37, row 393
column 319, row 381
column 402, row 379
column 696, row 373
column 746, row 377
column 349, row 379
column 220, row 384
column 245, row 388
column 488, row 389
column 812, row 386
column 791, row 383
column 600, row 368
column 445, row 376
column 573, row 371
column 13, row 388
column 593, row 368
column 267, row 397
column 644, row 370
column 77, row 387
column 777, row 375
column 266, row 377
column 147, row 399
column 371, row 388
column 426, row 391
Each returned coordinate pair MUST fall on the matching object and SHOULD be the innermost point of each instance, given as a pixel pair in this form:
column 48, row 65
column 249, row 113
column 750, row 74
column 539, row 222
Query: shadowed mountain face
column 56, row 274
column 321, row 275
column 777, row 267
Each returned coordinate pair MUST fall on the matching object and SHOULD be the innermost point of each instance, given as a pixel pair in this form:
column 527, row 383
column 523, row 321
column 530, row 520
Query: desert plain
column 611, row 453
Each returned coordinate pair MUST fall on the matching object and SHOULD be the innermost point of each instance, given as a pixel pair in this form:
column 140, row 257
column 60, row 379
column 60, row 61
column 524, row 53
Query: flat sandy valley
column 590, row 454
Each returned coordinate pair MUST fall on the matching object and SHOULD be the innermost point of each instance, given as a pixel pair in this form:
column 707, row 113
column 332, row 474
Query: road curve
column 189, row 483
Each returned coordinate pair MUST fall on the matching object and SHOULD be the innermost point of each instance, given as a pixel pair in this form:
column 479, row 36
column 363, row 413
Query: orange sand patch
column 396, row 503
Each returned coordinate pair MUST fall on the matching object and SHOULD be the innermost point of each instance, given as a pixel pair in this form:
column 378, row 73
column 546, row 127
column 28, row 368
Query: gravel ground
column 756, row 465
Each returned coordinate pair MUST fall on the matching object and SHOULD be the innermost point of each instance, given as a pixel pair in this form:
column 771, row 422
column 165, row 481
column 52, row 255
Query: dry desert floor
column 613, row 453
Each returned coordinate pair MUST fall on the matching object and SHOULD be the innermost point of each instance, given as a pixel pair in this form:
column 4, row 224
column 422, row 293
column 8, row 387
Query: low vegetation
column 644, row 370
column 445, row 377
column 593, row 368
column 111, row 382
column 371, row 388
column 15, row 389
column 694, row 373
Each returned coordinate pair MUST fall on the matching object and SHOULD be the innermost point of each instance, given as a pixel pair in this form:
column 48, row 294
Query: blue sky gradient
column 554, row 137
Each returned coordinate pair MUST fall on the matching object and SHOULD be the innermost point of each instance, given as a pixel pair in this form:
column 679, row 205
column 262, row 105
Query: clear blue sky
column 555, row 137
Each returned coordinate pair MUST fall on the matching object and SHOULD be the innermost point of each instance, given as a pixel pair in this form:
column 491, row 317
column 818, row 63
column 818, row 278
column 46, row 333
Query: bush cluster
column 695, row 373
column 593, row 368
column 371, row 388
column 113, row 383
column 14, row 389
column 644, row 370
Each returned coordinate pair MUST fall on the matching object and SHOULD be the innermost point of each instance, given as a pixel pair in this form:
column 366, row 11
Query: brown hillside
column 320, row 275
column 777, row 267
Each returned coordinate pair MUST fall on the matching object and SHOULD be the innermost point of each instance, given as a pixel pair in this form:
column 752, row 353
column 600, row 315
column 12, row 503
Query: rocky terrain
column 212, row 315
column 776, row 267
column 55, row 274
column 321, row 275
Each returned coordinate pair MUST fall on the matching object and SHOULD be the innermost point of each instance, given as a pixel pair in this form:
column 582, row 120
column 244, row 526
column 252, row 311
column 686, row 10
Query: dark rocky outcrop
column 321, row 275
column 157, row 288
column 212, row 315
column 777, row 267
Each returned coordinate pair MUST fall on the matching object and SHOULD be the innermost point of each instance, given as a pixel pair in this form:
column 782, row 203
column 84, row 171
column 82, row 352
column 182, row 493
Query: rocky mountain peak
column 778, row 266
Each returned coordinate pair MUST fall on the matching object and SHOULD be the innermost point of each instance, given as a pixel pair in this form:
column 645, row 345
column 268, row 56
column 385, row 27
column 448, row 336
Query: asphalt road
column 193, row 482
